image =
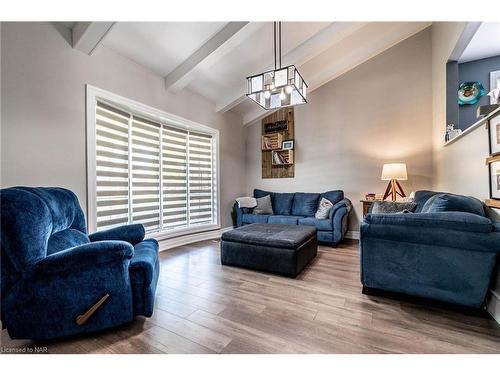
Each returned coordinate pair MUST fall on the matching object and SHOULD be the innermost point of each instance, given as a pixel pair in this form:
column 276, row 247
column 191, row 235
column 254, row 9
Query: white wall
column 458, row 167
column 379, row 112
column 43, row 110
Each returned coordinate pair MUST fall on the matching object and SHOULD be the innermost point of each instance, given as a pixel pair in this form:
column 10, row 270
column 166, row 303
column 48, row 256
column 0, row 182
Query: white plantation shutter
column 146, row 173
column 112, row 175
column 152, row 173
column 201, row 176
column 174, row 169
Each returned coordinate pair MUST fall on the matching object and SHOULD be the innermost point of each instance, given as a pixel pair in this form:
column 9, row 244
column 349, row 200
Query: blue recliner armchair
column 446, row 250
column 299, row 209
column 56, row 280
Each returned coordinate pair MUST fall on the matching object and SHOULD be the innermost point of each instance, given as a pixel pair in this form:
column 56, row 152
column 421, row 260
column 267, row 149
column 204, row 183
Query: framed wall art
column 494, row 176
column 494, row 135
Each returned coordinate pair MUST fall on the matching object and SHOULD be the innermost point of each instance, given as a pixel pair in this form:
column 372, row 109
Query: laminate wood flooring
column 204, row 307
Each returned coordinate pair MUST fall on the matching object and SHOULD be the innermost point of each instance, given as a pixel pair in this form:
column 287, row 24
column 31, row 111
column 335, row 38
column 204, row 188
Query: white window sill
column 165, row 235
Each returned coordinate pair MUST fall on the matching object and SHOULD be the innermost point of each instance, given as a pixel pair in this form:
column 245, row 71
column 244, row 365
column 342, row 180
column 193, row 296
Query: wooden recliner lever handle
column 82, row 319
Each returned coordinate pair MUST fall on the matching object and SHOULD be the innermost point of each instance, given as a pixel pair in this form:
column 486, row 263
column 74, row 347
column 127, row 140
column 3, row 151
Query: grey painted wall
column 43, row 110
column 379, row 112
column 478, row 70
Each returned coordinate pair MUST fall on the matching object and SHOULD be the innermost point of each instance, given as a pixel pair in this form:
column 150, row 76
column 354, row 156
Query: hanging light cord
column 274, row 44
column 279, row 24
column 277, row 44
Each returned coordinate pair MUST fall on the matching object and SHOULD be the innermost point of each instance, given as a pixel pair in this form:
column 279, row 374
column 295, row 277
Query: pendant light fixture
column 281, row 87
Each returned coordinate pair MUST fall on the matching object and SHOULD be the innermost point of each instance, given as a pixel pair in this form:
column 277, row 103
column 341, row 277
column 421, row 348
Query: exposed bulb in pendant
column 289, row 89
column 267, row 94
column 282, row 95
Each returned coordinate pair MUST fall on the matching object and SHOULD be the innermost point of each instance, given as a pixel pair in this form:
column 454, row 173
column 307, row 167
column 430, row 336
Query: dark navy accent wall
column 451, row 93
column 478, row 70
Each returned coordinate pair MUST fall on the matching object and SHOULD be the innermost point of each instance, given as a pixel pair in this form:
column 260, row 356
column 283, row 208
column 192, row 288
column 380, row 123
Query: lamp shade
column 394, row 171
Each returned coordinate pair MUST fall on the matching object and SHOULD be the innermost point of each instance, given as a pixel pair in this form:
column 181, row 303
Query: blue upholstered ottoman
column 276, row 248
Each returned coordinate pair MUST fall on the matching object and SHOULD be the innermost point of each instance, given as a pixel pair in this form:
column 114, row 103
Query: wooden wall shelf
column 492, row 159
column 282, row 123
column 495, row 203
column 272, row 141
column 286, row 155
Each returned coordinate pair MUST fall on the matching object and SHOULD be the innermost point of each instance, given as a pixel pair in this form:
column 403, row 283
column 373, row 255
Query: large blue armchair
column 56, row 280
column 299, row 209
column 446, row 250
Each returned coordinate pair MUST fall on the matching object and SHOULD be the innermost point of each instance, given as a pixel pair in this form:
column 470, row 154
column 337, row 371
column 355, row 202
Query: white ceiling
column 213, row 58
column 160, row 46
column 485, row 43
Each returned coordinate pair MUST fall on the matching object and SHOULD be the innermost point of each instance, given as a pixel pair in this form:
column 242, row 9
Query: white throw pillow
column 323, row 209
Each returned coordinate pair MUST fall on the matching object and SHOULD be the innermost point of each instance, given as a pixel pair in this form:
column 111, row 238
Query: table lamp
column 393, row 172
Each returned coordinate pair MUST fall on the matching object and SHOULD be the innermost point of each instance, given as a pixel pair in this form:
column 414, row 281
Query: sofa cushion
column 275, row 235
column 305, row 204
column 264, row 206
column 333, row 196
column 282, row 203
column 453, row 202
column 284, row 219
column 319, row 224
column 251, row 218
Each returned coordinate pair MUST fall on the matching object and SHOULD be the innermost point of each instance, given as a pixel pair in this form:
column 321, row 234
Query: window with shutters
column 150, row 170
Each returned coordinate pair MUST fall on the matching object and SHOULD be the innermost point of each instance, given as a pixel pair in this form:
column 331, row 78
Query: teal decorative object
column 470, row 92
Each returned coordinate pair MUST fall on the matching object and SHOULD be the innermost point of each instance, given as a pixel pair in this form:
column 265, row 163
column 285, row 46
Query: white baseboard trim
column 170, row 243
column 493, row 305
column 352, row 234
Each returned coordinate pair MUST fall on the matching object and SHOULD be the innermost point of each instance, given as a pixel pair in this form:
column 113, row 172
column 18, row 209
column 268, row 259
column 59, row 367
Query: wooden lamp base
column 394, row 189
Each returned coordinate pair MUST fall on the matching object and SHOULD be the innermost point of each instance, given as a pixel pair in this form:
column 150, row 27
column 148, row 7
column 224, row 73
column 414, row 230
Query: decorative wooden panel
column 274, row 123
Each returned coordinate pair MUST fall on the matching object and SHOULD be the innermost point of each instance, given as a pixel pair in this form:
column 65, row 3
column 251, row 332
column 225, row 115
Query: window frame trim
column 93, row 94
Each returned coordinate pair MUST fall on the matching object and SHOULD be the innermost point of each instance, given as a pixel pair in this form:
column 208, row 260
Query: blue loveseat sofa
column 446, row 250
column 299, row 209
column 52, row 272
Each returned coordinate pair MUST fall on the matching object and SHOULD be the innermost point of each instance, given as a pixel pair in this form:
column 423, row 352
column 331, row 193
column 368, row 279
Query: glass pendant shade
column 277, row 88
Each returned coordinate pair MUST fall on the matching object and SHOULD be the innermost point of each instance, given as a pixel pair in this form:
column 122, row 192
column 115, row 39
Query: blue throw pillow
column 305, row 204
column 428, row 203
column 282, row 203
column 424, row 196
column 452, row 202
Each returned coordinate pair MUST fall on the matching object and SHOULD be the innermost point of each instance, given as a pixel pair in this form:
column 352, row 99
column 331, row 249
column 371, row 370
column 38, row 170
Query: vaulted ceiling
column 213, row 58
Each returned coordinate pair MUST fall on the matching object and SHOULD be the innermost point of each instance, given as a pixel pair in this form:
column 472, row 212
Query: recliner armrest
column 87, row 255
column 460, row 221
column 131, row 233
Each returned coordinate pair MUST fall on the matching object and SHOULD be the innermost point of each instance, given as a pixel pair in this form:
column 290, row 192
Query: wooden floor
column 203, row 307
